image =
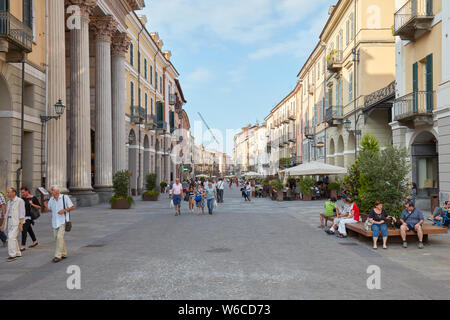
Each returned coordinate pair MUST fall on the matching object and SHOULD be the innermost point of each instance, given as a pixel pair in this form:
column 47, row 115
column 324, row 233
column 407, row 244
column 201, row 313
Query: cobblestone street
column 257, row 250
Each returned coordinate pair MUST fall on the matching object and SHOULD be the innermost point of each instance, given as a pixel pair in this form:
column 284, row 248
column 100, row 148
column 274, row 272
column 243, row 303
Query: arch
column 350, row 150
column 331, row 152
column 132, row 160
column 339, row 158
column 146, row 155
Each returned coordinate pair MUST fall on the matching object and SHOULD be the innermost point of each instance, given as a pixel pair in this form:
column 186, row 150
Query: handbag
column 34, row 213
column 68, row 223
column 367, row 225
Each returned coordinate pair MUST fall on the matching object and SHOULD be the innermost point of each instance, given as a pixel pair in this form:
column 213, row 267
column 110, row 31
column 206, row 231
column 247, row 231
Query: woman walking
column 378, row 219
column 412, row 193
column 30, row 201
column 191, row 193
column 200, row 199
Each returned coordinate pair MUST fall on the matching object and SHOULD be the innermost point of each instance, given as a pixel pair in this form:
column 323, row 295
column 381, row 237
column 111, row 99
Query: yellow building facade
column 421, row 108
column 360, row 57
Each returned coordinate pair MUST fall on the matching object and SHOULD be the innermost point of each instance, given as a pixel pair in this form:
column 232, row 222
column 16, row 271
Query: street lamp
column 59, row 110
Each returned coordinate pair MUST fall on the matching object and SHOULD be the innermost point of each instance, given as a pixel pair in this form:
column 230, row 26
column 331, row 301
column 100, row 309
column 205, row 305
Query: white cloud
column 197, row 76
column 244, row 22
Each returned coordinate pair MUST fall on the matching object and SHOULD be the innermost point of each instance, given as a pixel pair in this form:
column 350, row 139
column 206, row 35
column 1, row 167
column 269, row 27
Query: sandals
column 33, row 245
column 55, row 260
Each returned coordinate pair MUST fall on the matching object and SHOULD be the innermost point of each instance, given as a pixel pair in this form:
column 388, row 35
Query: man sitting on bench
column 412, row 220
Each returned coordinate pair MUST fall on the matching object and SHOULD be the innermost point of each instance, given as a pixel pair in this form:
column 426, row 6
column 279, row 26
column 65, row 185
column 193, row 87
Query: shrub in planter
column 150, row 195
column 306, row 185
column 334, row 188
column 121, row 183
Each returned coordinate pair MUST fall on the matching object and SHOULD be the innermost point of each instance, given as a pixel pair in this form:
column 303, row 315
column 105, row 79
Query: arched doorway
column 425, row 165
column 339, row 158
column 332, row 150
column 146, row 156
column 350, row 152
column 132, row 161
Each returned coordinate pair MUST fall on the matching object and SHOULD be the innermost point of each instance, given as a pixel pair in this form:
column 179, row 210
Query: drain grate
column 348, row 243
column 94, row 246
column 218, row 250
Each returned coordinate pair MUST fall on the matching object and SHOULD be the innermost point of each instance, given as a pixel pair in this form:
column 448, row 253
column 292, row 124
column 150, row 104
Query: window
column 132, row 54
column 347, row 32
column 151, row 74
column 139, row 97
column 145, row 68
column 28, row 13
column 352, row 25
column 156, row 80
column 4, row 5
column 132, row 95
column 151, row 106
column 139, row 62
column 160, row 84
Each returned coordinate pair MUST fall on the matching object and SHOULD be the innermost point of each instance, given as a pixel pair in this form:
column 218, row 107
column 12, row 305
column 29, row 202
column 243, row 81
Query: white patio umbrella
column 314, row 168
column 202, row 176
column 251, row 174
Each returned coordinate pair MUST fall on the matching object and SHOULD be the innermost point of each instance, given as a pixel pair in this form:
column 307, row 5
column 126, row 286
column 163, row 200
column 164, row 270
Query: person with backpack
column 32, row 208
column 60, row 205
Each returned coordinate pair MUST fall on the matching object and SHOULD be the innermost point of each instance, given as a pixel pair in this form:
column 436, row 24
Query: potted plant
column 278, row 186
column 151, row 194
column 306, row 185
column 121, row 183
column 334, row 188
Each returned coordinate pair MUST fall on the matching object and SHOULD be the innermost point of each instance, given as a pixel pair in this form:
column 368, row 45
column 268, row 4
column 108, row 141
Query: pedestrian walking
column 200, row 199
column 30, row 202
column 211, row 196
column 220, row 190
column 13, row 223
column 2, row 218
column 191, row 195
column 60, row 205
column 177, row 195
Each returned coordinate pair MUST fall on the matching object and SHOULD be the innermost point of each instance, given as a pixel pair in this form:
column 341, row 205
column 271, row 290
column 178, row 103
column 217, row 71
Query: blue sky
column 236, row 58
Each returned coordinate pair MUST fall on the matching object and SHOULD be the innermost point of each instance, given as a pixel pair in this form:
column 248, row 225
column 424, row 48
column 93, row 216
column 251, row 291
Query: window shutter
column 429, row 7
column 132, row 54
column 28, row 13
column 172, row 121
column 429, row 87
column 4, row 5
column 415, row 86
column 159, row 111
column 132, row 96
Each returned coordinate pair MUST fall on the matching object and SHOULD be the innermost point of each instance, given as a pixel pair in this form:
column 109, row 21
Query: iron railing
column 334, row 57
column 415, row 103
column 411, row 10
column 334, row 112
column 16, row 31
column 138, row 114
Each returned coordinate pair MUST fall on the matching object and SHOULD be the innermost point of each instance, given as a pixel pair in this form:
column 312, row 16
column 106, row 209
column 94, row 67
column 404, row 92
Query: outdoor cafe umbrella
column 314, row 168
column 251, row 174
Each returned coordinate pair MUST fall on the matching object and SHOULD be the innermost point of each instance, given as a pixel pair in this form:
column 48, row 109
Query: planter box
column 280, row 196
column 121, row 204
column 333, row 194
column 147, row 197
column 307, row 197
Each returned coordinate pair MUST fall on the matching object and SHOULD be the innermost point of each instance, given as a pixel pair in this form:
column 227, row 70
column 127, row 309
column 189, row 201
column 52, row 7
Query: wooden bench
column 393, row 234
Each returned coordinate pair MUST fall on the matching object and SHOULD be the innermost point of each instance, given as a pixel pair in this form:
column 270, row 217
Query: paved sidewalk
column 246, row 250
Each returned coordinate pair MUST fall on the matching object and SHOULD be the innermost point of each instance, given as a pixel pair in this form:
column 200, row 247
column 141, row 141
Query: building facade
column 421, row 108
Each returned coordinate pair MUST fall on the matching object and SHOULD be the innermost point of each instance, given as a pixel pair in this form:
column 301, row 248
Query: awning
column 251, row 174
column 314, row 168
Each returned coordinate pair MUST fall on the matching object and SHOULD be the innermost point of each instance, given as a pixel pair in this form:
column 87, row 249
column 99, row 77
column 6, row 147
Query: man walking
column 220, row 188
column 211, row 196
column 177, row 194
column 59, row 205
column 2, row 218
column 13, row 223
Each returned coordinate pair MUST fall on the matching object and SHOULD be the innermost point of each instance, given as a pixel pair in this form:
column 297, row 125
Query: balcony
column 415, row 109
column 334, row 115
column 15, row 37
column 138, row 115
column 295, row 161
column 291, row 116
column 334, row 61
column 413, row 19
column 292, row 137
column 150, row 122
column 161, row 125
column 172, row 99
column 308, row 132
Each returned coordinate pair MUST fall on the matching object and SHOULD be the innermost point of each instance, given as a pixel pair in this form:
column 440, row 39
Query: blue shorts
column 176, row 199
column 377, row 228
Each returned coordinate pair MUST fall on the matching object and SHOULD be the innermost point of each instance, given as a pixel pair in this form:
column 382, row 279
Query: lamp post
column 59, row 110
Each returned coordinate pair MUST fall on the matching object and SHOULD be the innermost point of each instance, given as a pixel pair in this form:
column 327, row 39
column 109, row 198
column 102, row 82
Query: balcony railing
column 296, row 160
column 334, row 113
column 334, row 60
column 415, row 15
column 172, row 99
column 138, row 114
column 16, row 32
column 308, row 131
column 150, row 121
column 420, row 103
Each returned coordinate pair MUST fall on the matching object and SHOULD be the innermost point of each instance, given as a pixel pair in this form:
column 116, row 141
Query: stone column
column 103, row 28
column 81, row 186
column 120, row 44
column 56, row 129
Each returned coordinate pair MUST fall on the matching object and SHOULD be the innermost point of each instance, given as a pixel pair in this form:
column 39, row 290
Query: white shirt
column 55, row 206
column 221, row 184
